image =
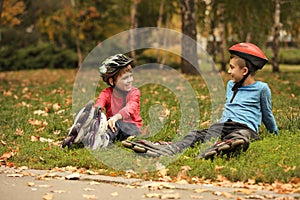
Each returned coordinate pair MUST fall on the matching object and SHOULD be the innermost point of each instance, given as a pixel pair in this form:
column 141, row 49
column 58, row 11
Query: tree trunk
column 212, row 18
column 133, row 25
column 1, row 6
column 78, row 28
column 159, row 25
column 223, row 38
column 276, row 34
column 189, row 58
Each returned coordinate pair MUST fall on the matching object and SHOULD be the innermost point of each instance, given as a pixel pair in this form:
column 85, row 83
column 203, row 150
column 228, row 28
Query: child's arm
column 266, row 108
column 102, row 99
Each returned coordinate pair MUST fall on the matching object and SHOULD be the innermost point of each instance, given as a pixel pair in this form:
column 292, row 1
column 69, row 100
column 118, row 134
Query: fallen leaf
column 56, row 106
column 58, row 191
column 19, row 132
column 182, row 182
column 41, row 139
column 114, row 194
column 243, row 191
column 7, row 93
column 88, row 189
column 152, row 195
column 86, row 196
column 30, row 184
column 199, row 190
column 74, row 176
column 196, row 197
column 40, row 112
column 183, row 174
column 35, row 122
column 14, row 175
column 56, row 132
column 34, row 138
column 6, row 155
column 251, row 181
column 158, row 186
column 254, row 196
column 48, row 196
column 44, row 186
column 130, row 173
column 170, row 196
column 219, row 168
column 94, row 183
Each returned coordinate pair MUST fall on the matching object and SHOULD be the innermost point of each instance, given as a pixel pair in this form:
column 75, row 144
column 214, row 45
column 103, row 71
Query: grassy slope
column 36, row 112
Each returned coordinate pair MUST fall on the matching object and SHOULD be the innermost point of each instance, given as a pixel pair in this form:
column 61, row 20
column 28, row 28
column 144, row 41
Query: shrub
column 36, row 57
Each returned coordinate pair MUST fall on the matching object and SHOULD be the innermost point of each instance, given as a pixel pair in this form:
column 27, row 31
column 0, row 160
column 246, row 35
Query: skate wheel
column 139, row 149
column 224, row 147
column 209, row 154
column 237, row 143
column 126, row 144
column 152, row 154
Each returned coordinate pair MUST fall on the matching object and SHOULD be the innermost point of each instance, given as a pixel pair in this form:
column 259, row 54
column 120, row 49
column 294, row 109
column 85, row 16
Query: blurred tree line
column 59, row 34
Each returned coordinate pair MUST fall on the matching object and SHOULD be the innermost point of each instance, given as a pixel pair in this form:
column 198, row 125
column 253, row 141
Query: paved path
column 24, row 184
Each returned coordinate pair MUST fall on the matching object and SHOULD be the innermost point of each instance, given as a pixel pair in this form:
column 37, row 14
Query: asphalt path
column 26, row 184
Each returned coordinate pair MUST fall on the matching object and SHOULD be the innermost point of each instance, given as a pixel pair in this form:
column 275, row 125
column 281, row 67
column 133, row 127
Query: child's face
column 124, row 81
column 236, row 72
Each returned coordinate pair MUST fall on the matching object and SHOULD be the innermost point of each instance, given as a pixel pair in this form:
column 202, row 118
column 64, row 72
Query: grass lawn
column 36, row 108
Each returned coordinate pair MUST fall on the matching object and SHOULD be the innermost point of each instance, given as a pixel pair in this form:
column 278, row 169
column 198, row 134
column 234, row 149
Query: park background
column 44, row 43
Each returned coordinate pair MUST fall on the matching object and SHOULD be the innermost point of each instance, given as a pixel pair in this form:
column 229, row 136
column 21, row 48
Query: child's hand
column 111, row 123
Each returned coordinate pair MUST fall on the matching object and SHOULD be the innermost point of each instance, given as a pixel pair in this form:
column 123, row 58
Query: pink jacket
column 113, row 104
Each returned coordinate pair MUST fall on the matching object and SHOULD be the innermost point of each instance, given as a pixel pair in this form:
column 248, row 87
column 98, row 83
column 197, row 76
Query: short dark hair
column 242, row 62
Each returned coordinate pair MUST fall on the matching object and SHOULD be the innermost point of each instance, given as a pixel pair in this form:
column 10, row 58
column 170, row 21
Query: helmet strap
column 239, row 84
column 123, row 94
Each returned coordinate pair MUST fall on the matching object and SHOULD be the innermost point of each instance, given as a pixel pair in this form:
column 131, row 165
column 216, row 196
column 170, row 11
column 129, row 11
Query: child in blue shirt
column 248, row 103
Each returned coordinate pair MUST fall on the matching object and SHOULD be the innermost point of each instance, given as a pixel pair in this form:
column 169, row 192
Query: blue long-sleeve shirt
column 251, row 106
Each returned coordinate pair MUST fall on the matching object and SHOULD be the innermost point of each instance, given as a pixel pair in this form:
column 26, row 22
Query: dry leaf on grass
column 6, row 155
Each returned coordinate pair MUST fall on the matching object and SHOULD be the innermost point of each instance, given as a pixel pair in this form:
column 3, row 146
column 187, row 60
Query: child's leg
column 235, row 137
column 124, row 130
column 189, row 140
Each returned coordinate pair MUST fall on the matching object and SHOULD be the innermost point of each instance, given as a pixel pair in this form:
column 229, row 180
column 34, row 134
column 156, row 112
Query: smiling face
column 123, row 80
column 237, row 69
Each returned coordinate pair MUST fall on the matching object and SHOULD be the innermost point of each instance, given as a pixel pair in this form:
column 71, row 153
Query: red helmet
column 251, row 53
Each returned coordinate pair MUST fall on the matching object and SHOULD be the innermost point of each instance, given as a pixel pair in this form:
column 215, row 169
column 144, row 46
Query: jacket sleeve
column 102, row 99
column 266, row 108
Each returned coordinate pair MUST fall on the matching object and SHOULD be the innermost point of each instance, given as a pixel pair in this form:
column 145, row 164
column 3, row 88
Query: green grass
column 22, row 93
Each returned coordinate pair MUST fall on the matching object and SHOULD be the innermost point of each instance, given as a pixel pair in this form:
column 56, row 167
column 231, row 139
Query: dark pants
column 124, row 130
column 225, row 131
